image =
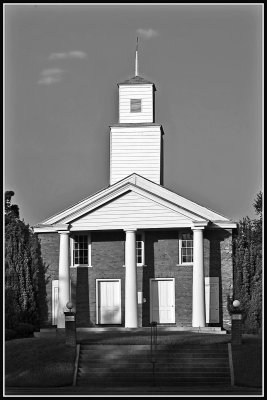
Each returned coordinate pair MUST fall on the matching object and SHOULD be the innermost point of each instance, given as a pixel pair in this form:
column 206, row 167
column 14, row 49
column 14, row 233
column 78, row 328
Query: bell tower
column 136, row 141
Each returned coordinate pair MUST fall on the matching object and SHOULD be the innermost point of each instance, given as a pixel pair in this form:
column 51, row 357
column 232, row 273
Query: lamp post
column 236, row 315
column 70, row 325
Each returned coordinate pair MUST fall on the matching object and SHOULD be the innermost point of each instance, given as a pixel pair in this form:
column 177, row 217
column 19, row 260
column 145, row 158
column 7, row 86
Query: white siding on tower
column 128, row 92
column 135, row 149
column 131, row 210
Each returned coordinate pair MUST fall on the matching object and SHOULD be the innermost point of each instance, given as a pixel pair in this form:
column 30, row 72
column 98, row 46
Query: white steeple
column 136, row 141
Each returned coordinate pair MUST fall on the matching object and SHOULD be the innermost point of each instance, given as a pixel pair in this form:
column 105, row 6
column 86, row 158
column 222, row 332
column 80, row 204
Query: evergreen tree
column 248, row 268
column 22, row 265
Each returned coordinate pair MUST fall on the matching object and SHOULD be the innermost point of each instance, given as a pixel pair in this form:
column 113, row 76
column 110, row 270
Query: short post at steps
column 70, row 326
column 236, row 315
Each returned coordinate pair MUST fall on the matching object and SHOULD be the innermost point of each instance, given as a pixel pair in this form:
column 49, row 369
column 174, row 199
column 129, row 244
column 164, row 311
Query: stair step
column 147, row 374
column 156, row 356
column 121, row 364
column 148, row 347
column 157, row 360
column 162, row 369
column 146, row 381
column 148, row 352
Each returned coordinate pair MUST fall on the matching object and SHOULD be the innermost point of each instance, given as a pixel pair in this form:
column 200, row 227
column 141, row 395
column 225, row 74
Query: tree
column 248, row 268
column 22, row 265
column 10, row 210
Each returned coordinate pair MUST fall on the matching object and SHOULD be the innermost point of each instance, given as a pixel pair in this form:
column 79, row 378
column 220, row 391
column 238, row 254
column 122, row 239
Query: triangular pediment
column 133, row 210
column 134, row 199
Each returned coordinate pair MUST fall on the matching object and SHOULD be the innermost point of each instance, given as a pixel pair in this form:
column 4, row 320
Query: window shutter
column 135, row 105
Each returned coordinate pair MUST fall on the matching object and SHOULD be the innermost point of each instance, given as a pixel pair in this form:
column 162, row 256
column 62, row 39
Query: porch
column 117, row 291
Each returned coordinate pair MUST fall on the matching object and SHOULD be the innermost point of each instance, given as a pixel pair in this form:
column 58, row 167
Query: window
column 140, row 248
column 81, row 250
column 186, row 248
column 136, row 105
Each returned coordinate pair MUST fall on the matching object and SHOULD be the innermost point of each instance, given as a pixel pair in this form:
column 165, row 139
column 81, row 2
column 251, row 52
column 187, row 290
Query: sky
column 62, row 64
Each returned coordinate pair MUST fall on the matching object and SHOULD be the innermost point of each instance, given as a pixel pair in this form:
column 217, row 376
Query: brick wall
column 161, row 259
column 218, row 262
column 50, row 254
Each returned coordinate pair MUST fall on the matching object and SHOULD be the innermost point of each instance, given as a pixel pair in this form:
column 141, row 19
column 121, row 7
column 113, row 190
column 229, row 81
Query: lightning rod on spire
column 136, row 58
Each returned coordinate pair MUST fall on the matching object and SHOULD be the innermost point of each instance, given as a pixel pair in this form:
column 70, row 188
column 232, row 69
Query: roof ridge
column 136, row 80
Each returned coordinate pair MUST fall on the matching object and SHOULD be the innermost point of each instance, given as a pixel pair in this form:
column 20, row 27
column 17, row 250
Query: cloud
column 70, row 54
column 50, row 76
column 48, row 80
column 147, row 33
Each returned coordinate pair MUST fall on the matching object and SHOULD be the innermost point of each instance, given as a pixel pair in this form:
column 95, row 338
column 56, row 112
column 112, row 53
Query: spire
column 136, row 58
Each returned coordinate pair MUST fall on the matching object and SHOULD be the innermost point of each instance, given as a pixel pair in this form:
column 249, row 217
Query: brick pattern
column 218, row 262
column 161, row 259
column 50, row 254
column 236, row 331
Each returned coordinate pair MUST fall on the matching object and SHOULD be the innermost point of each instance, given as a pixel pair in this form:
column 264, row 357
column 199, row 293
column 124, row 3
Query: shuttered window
column 136, row 105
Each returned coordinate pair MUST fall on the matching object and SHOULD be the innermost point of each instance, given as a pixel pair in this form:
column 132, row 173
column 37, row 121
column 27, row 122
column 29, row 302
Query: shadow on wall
column 214, row 268
column 82, row 298
column 43, row 281
column 148, row 273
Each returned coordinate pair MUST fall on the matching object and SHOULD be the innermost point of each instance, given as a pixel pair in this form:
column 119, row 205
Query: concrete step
column 148, row 367
column 187, row 362
column 178, row 347
column 159, row 355
column 151, row 382
column 147, row 373
column 147, row 349
column 160, row 328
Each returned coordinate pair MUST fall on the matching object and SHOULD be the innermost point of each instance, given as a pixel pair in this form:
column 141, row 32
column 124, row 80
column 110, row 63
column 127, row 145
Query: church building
column 137, row 252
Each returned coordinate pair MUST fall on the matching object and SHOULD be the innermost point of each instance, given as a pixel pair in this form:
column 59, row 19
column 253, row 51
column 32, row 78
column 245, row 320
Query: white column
column 198, row 303
column 131, row 319
column 63, row 277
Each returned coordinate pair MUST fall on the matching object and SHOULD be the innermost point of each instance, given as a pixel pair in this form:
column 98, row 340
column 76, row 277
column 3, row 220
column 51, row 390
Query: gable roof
column 143, row 187
column 136, row 80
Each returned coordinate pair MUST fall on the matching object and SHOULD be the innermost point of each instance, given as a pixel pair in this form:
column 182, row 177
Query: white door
column 162, row 301
column 212, row 299
column 109, row 302
column 54, row 301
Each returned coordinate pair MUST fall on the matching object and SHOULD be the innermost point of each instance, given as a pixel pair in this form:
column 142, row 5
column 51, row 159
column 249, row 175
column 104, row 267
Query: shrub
column 10, row 334
column 24, row 329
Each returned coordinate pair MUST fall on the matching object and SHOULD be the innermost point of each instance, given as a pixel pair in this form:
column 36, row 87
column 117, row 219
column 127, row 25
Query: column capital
column 64, row 232
column 130, row 230
column 61, row 227
column 199, row 225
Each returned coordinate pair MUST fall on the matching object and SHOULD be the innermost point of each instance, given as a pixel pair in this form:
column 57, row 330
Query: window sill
column 138, row 265
column 81, row 266
column 185, row 265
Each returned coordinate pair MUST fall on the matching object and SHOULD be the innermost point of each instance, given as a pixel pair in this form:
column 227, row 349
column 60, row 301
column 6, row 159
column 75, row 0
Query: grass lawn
column 247, row 360
column 39, row 362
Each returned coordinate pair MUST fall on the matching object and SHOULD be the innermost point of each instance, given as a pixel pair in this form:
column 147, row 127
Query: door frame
column 97, row 295
column 54, row 286
column 150, row 295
